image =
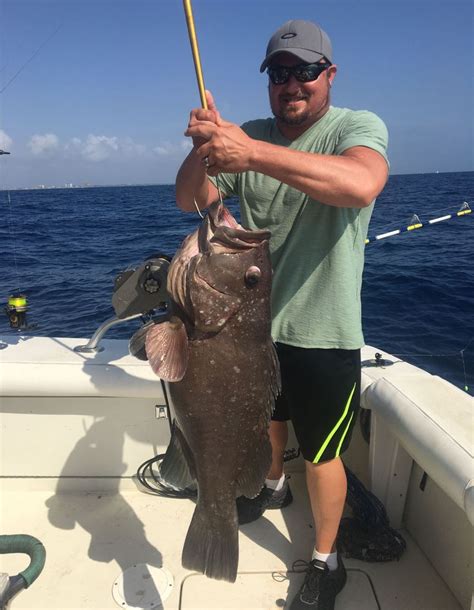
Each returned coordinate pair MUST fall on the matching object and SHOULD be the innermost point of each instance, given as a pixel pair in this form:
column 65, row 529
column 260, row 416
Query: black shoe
column 320, row 586
column 251, row 509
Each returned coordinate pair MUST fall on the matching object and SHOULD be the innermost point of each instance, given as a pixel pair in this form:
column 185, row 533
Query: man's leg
column 323, row 390
column 278, row 439
column 327, row 488
column 326, row 575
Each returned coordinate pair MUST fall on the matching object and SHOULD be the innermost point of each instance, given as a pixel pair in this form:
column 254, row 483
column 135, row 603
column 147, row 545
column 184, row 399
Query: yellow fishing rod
column 415, row 223
column 200, row 79
column 195, row 50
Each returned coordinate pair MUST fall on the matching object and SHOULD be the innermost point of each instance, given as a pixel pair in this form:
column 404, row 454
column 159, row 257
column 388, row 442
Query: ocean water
column 64, row 247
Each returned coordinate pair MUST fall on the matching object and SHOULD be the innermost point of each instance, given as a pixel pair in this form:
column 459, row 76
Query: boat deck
column 91, row 538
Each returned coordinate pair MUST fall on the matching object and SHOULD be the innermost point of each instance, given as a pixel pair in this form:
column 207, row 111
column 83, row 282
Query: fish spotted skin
column 224, row 378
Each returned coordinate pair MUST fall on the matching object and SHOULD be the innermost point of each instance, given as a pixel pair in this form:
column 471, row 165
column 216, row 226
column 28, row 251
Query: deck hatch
column 142, row 586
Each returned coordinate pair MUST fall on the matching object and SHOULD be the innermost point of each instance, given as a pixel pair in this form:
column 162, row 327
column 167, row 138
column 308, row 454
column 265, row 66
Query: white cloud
column 5, row 141
column 43, row 144
column 132, row 149
column 97, row 148
column 100, row 148
column 173, row 150
column 161, row 150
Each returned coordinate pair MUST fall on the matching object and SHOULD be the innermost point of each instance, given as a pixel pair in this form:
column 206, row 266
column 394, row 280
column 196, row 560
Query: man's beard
column 289, row 118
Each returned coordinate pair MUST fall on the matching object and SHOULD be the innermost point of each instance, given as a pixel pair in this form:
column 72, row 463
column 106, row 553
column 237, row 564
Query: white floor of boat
column 91, row 538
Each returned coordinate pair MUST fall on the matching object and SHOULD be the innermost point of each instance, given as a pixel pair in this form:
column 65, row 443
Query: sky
column 99, row 91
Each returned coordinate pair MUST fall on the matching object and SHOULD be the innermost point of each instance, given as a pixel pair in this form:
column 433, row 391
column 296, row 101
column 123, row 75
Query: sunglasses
column 304, row 73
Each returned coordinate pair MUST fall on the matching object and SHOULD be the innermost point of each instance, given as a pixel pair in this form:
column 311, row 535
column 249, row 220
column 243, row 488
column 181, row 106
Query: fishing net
column 367, row 535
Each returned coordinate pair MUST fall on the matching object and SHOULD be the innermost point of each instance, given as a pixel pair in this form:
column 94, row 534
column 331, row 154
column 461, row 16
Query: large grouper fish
column 217, row 353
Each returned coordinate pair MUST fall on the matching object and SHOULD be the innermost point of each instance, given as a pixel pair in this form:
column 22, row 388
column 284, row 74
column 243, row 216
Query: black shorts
column 321, row 396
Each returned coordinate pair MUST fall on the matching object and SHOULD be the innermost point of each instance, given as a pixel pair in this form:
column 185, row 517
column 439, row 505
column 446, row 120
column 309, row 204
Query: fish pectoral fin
column 177, row 468
column 136, row 345
column 166, row 346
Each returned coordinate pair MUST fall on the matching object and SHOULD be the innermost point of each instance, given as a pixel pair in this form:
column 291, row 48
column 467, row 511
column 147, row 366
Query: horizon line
column 135, row 184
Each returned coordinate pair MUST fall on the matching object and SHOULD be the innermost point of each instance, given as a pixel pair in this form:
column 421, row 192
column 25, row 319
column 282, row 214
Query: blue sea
column 64, row 247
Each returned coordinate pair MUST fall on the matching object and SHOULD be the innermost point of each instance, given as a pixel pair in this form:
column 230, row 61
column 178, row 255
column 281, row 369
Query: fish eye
column 252, row 276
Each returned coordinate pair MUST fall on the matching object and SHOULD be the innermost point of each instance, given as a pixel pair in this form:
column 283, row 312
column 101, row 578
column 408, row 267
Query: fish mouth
column 220, row 232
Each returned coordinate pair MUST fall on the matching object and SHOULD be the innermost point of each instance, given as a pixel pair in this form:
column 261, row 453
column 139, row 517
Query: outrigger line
column 30, row 59
column 415, row 223
column 452, row 355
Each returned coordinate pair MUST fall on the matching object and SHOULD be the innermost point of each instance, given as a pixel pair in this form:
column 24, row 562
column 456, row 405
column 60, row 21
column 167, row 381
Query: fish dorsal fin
column 166, row 346
column 275, row 375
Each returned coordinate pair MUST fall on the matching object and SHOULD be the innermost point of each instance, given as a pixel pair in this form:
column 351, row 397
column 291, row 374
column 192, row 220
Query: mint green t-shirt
column 317, row 250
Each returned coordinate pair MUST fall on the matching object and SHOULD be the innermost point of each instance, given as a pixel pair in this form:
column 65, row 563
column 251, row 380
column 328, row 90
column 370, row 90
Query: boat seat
column 425, row 419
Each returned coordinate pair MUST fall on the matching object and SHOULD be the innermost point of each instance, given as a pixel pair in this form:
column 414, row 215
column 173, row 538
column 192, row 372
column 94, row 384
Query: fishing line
column 452, row 355
column 466, row 387
column 13, row 238
column 218, row 189
column 220, row 197
column 197, row 207
column 42, row 45
column 439, row 355
column 17, row 305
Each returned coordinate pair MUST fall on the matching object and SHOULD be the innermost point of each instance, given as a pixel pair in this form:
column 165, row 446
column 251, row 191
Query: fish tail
column 212, row 546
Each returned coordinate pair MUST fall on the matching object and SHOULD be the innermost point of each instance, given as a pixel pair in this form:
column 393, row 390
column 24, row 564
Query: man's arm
column 352, row 179
column 192, row 184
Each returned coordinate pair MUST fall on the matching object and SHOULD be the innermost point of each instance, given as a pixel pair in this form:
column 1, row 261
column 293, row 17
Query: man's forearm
column 338, row 180
column 192, row 184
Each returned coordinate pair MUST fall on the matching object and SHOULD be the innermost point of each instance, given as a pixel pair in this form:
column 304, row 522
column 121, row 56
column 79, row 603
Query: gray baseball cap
column 304, row 39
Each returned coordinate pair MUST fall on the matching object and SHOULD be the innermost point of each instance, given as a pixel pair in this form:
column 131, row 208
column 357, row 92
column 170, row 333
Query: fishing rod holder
column 138, row 293
column 93, row 344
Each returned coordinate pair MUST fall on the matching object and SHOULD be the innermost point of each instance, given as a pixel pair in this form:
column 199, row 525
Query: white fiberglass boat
column 76, row 426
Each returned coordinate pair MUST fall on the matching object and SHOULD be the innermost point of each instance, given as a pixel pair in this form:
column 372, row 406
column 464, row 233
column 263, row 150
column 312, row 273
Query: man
column 310, row 175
